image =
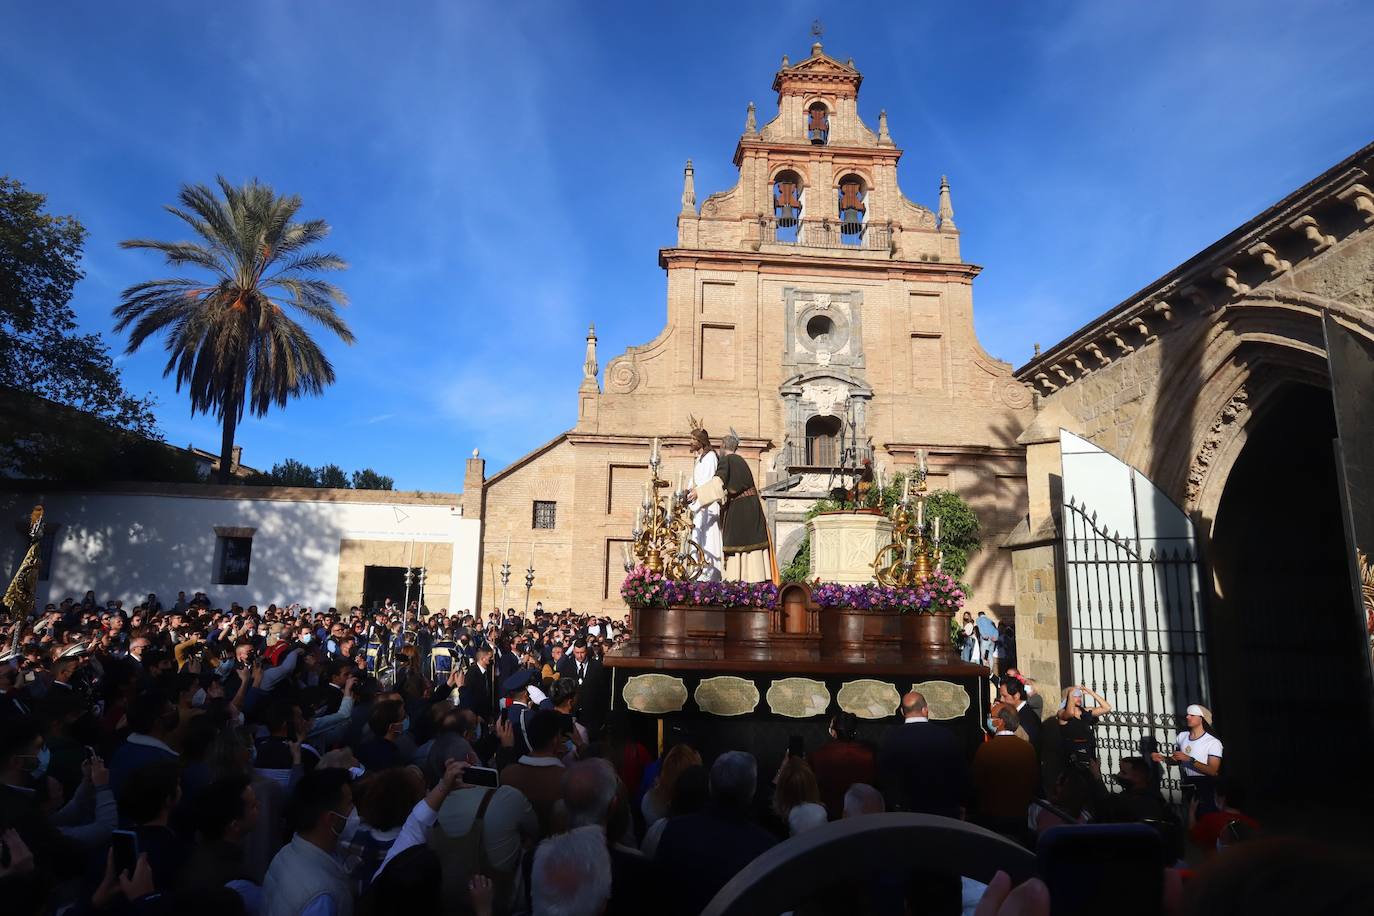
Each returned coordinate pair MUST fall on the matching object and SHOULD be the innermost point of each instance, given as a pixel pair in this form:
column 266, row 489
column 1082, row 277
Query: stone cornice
column 950, row 454
column 803, row 150
column 746, row 443
column 819, row 264
column 1295, row 229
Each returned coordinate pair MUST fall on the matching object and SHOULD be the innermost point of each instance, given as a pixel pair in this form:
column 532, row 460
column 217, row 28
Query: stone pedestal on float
column 844, row 543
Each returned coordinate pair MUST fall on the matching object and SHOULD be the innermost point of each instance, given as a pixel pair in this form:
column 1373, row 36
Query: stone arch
column 1257, row 343
column 790, row 545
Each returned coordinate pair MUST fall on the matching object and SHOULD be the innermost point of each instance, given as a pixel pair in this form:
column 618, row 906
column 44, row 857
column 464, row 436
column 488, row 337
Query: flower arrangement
column 940, row 593
column 645, row 588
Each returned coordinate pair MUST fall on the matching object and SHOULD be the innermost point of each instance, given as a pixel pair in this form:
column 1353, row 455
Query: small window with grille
column 545, row 514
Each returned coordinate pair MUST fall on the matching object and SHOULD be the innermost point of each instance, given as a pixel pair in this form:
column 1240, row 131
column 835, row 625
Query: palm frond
column 228, row 338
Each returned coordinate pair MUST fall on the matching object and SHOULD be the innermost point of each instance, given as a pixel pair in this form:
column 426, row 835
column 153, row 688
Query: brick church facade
column 812, row 299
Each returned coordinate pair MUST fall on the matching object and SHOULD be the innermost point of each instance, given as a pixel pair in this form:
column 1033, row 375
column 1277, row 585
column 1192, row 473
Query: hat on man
column 1201, row 712
column 517, row 682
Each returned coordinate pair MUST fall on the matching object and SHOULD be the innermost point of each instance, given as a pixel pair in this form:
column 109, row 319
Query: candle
column 681, row 478
column 625, row 552
column 531, row 555
column 682, row 543
column 908, row 550
column 922, row 453
column 921, row 515
column 936, row 522
column 507, row 546
column 653, row 455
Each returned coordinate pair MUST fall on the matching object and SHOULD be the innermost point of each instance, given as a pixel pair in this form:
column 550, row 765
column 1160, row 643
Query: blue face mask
column 992, row 728
column 405, row 724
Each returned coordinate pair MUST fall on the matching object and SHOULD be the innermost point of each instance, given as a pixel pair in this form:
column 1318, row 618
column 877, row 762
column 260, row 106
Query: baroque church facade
column 811, row 305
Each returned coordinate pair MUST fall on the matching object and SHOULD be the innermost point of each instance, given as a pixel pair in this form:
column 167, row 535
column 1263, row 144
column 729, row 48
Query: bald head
column 914, row 704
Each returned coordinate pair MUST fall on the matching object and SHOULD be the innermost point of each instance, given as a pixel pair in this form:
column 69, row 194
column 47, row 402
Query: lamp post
column 505, row 578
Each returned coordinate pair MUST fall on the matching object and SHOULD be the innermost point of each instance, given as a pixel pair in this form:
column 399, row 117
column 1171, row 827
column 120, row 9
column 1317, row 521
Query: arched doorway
column 1286, row 662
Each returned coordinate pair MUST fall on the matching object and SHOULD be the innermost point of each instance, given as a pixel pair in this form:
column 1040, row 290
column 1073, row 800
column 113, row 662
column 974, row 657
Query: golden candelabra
column 662, row 536
column 915, row 547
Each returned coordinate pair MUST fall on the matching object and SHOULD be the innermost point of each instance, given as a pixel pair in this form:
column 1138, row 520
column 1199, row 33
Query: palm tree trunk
column 226, row 447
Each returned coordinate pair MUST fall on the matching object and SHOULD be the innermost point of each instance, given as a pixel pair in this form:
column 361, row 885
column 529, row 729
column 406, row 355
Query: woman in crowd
column 796, row 797
column 658, row 800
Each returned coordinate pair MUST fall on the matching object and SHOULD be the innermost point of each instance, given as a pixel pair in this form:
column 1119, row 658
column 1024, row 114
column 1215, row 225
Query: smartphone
column 795, row 747
column 1102, row 868
column 125, row 843
column 482, row 776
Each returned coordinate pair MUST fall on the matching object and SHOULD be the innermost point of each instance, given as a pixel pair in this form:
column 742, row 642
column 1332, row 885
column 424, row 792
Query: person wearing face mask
column 25, row 791
column 305, row 877
column 1006, row 775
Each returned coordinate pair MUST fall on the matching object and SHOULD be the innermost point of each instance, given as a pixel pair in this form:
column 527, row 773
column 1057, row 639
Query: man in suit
column 590, row 678
column 699, row 853
column 1012, row 693
column 921, row 764
column 475, row 694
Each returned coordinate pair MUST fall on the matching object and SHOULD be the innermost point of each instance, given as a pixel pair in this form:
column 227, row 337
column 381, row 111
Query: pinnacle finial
column 785, row 61
column 883, row 135
column 689, row 191
column 946, row 214
column 590, row 368
column 750, row 123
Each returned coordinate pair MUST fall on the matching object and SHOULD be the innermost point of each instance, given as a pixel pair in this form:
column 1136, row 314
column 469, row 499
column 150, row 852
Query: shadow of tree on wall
column 294, row 556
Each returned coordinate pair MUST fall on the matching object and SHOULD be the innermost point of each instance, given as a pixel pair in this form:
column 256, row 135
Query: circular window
column 820, row 326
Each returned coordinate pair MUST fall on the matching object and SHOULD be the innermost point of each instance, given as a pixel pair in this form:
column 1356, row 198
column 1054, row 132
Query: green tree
column 41, row 352
column 291, row 473
column 230, row 337
column 331, row 475
column 368, row 479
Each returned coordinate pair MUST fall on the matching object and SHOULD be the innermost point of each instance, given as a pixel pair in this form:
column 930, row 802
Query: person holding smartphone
column 1198, row 753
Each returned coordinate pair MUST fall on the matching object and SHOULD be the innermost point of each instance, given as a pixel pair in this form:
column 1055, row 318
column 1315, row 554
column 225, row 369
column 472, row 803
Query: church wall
column 509, row 518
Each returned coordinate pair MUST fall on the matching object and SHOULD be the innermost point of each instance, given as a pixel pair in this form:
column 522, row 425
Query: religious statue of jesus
column 705, row 518
column 747, row 546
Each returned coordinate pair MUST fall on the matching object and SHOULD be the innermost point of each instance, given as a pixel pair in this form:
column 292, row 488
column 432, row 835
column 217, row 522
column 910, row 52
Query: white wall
column 124, row 545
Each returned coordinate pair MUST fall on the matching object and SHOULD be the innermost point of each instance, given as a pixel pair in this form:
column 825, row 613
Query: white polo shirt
column 1198, row 748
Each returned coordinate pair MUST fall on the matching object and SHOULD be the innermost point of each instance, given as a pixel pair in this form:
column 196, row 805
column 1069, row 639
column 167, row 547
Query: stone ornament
column 945, row 699
column 798, row 697
column 869, row 699
column 622, row 377
column 1017, row 396
column 727, row 696
column 655, row 694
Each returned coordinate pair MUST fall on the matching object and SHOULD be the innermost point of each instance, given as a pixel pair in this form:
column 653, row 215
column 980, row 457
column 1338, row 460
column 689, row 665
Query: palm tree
column 229, row 337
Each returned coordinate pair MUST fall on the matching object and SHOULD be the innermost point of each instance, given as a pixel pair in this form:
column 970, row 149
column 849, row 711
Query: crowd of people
column 179, row 757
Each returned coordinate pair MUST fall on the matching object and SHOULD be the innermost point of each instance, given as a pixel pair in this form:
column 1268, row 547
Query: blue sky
column 500, row 174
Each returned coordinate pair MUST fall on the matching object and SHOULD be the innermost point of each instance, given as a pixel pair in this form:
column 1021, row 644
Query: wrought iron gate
column 1134, row 602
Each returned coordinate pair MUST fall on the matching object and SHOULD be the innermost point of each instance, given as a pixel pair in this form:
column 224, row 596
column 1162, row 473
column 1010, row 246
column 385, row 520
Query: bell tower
column 814, row 308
